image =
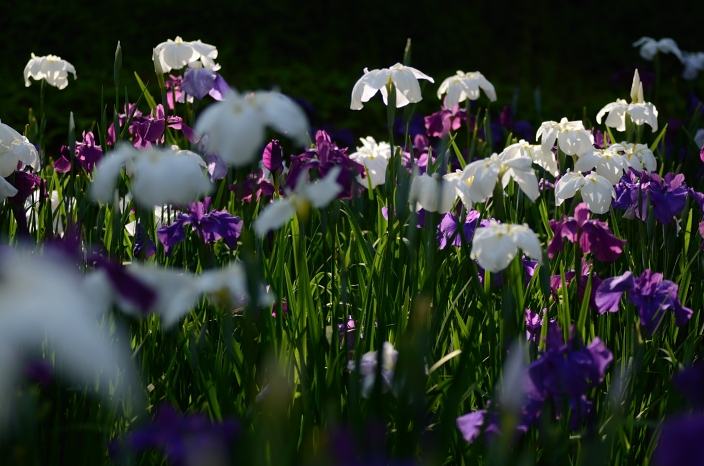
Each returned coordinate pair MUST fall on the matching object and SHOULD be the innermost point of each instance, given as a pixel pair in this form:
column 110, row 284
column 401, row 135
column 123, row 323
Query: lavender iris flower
column 649, row 293
column 210, row 226
column 199, row 81
column 185, row 440
column 593, row 236
column 448, row 226
column 217, row 168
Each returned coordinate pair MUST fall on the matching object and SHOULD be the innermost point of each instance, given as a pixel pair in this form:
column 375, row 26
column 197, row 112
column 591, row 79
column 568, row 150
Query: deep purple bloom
column 173, row 89
column 448, row 226
column 185, row 440
column 566, row 370
column 331, row 156
column 668, row 196
column 680, row 442
column 534, row 324
column 649, row 293
column 690, row 383
column 441, row 122
column 143, row 245
column 63, row 164
column 87, row 153
column 122, row 119
column 273, row 156
column 593, row 235
column 506, row 117
column 151, row 129
column 253, row 188
column 39, row 370
column 601, row 140
column 210, row 226
column 25, row 183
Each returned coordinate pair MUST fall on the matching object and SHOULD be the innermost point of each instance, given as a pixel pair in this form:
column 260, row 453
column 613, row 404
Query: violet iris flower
column 565, row 372
column 121, row 120
column 210, row 226
column 649, row 293
column 151, row 129
column 668, row 196
column 25, row 183
column 690, row 382
column 87, row 155
column 441, row 122
column 448, row 226
column 593, row 236
column 273, row 158
column 680, row 442
column 199, row 81
column 143, row 245
column 324, row 157
column 255, row 187
column 185, row 440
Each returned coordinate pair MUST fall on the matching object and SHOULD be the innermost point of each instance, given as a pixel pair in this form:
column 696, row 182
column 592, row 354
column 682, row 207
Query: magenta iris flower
column 253, row 188
column 151, row 129
column 649, row 293
column 441, row 122
column 593, row 236
column 273, row 158
column 25, row 183
column 87, row 155
column 209, row 225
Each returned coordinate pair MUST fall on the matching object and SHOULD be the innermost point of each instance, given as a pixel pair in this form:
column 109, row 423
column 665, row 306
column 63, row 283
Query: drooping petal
column 608, row 295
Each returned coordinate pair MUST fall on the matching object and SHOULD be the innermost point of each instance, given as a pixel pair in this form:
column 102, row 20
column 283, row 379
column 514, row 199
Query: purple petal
column 220, row 88
column 608, row 295
column 471, row 424
column 273, row 156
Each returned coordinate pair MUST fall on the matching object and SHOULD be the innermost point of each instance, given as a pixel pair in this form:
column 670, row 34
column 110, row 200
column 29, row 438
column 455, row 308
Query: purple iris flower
column 200, row 81
column 324, row 157
column 420, row 162
column 143, row 245
column 471, row 424
column 87, row 155
column 534, row 324
column 649, row 293
column 680, row 442
column 556, row 283
column 415, row 126
column 121, row 120
column 441, row 122
column 63, row 163
column 593, row 236
column 448, row 226
column 185, row 440
column 601, row 140
column 421, row 216
column 25, row 183
column 566, row 370
column 151, row 129
column 210, row 226
column 256, row 186
column 273, row 156
column 668, row 196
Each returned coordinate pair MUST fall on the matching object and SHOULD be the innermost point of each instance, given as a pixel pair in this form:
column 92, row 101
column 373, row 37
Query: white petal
column 273, row 217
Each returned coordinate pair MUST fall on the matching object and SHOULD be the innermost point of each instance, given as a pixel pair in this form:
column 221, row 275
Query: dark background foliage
column 317, row 50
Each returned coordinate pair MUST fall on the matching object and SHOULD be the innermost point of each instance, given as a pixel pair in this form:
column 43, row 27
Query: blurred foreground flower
column 318, row 195
column 433, row 193
column 236, row 127
column 61, row 316
column 404, row 79
column 157, row 176
column 463, row 86
column 649, row 47
column 51, row 68
column 495, row 246
column 367, row 368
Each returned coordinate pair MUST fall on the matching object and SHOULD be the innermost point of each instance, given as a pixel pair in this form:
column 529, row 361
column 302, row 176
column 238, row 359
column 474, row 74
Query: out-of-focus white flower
column 482, row 175
column 375, row 158
column 157, row 176
column 649, row 47
column 495, row 246
column 15, row 148
column 463, row 86
column 571, row 136
column 62, row 317
column 164, row 215
column 175, row 54
column 639, row 156
column 50, row 68
column 693, row 64
column 32, row 214
column 6, row 189
column 317, row 194
column 228, row 286
column 367, row 368
column 404, row 78
column 433, row 193
column 699, row 138
column 606, row 162
column 237, row 125
column 544, row 159
column 596, row 190
column 640, row 111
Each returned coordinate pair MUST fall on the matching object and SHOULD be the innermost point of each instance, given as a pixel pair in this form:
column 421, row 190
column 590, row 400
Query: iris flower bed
column 201, row 278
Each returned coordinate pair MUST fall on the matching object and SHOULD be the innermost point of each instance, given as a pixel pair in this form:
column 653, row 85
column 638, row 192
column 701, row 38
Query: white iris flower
column 495, row 246
column 50, row 68
column 404, row 78
column 463, row 86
